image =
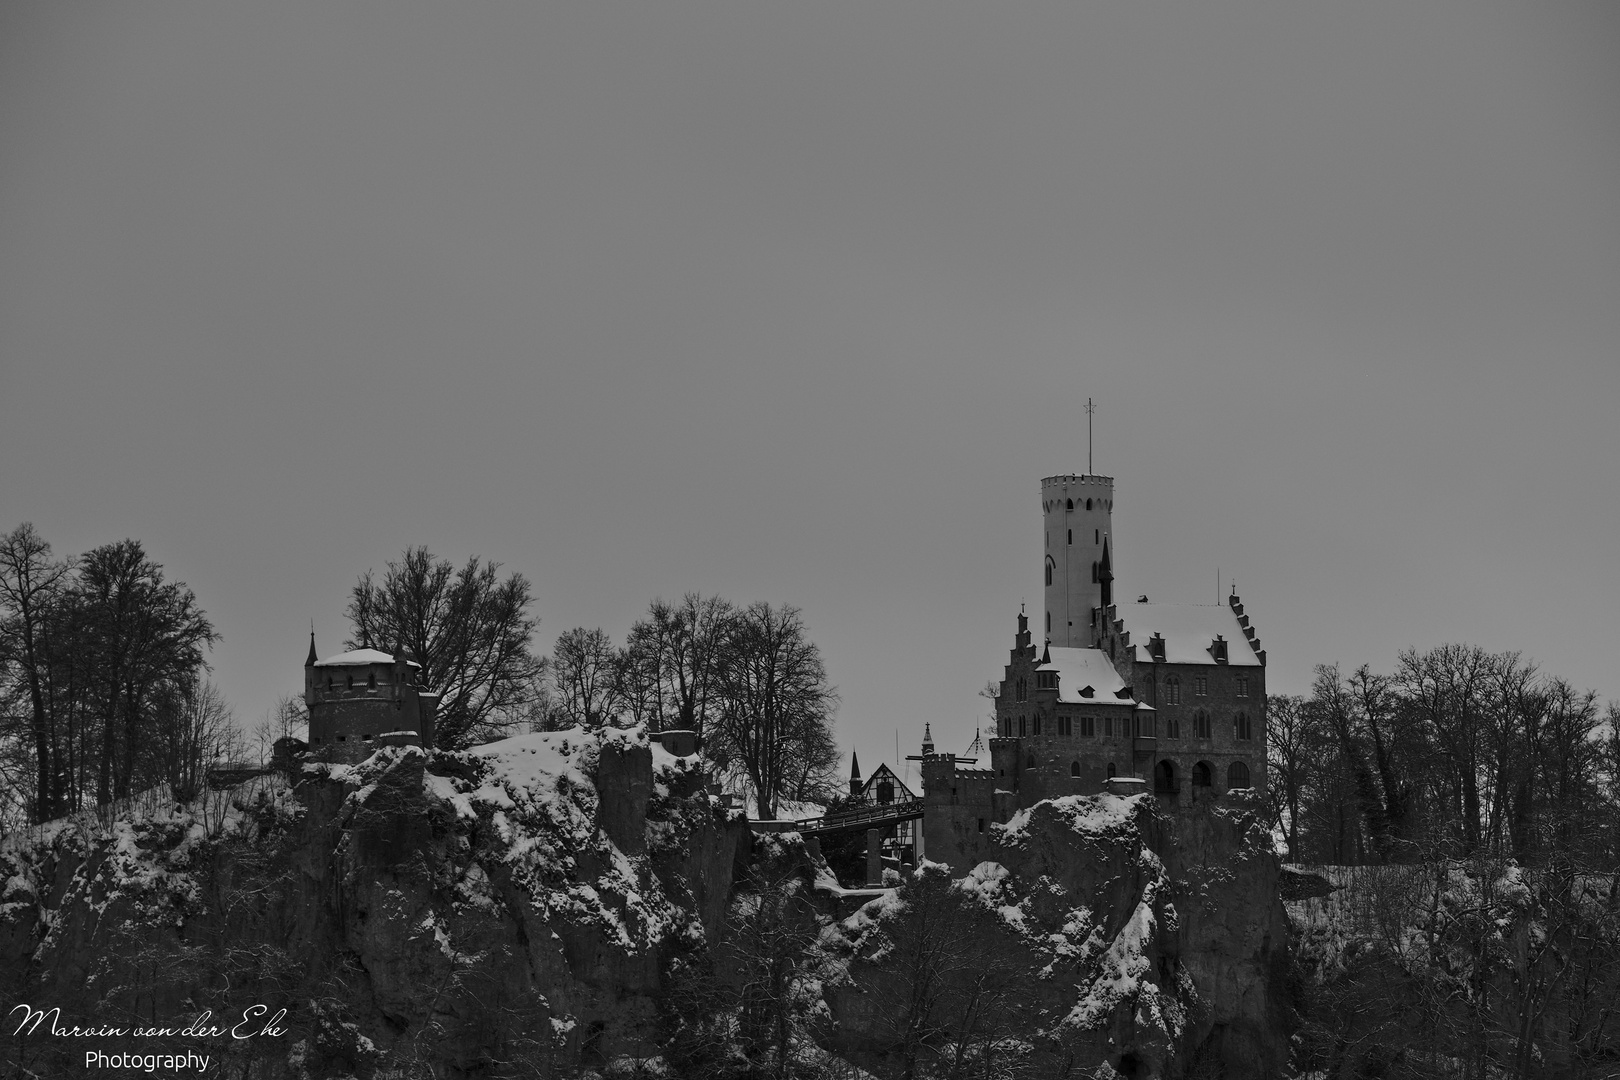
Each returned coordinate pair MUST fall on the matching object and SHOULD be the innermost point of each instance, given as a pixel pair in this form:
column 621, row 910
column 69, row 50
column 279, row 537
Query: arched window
column 1030, row 764
column 1203, row 775
column 1172, row 690
column 1021, row 723
column 1071, row 505
column 1237, row 775
column 1201, row 723
column 1035, row 724
column 1049, row 571
column 1071, row 536
column 1241, row 726
column 1111, row 771
column 1074, row 768
column 1088, row 504
column 371, row 681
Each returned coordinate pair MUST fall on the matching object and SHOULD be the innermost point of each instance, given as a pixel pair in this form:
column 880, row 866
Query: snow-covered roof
column 360, row 657
column 1188, row 630
column 1080, row 668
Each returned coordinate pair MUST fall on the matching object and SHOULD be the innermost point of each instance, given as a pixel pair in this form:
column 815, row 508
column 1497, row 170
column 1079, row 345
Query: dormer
column 1046, row 680
column 1217, row 649
column 1124, row 693
column 1155, row 646
column 1087, row 691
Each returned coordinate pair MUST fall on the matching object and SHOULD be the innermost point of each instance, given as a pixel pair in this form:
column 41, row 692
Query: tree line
column 1458, row 752
column 746, row 679
column 102, row 678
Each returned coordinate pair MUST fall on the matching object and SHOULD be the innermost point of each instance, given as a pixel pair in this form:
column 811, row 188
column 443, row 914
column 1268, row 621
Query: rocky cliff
column 1106, row 935
column 503, row 911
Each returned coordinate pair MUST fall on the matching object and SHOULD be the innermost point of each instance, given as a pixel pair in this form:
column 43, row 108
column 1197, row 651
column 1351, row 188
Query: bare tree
column 776, row 705
column 672, row 662
column 469, row 629
column 30, row 582
column 585, row 678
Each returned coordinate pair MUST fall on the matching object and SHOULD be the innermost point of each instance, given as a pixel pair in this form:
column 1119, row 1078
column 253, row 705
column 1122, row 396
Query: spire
column 309, row 661
column 928, row 739
column 1105, row 574
column 854, row 773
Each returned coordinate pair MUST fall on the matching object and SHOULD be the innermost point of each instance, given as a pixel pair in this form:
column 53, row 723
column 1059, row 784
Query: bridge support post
column 812, row 844
column 874, row 858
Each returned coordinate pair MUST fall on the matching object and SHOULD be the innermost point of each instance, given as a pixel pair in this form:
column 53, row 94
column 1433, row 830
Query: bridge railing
column 880, row 813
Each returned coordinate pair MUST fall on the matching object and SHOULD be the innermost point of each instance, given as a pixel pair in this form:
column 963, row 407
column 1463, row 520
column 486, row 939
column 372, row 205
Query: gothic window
column 1074, row 768
column 1237, row 775
column 1201, row 723
column 1046, row 680
column 1201, row 685
column 1241, row 727
column 1021, row 722
column 1242, row 686
column 1071, row 505
column 1035, row 724
column 1172, row 690
column 1088, row 504
column 1172, row 726
column 1096, row 536
column 1202, row 776
column 1049, row 572
column 1071, row 536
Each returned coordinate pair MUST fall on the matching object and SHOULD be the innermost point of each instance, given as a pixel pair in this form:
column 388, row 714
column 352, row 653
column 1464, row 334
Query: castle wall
column 1223, row 702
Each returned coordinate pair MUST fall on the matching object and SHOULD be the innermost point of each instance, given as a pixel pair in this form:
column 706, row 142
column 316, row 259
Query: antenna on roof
column 1090, row 409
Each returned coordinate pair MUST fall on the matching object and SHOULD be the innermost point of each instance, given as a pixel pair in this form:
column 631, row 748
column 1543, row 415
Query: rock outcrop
column 1110, row 932
column 507, row 909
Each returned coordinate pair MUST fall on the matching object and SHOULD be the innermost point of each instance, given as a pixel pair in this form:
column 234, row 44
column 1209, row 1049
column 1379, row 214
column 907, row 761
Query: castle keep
column 1132, row 696
column 364, row 699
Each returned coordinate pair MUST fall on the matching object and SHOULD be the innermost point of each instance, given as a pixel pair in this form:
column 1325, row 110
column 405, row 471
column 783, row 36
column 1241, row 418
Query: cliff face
column 1103, row 931
column 501, row 910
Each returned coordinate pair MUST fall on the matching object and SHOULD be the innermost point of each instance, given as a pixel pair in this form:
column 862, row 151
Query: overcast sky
column 798, row 302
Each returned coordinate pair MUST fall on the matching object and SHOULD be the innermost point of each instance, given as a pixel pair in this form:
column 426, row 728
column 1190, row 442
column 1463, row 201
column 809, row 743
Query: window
column 371, row 681
column 1108, row 726
column 1088, row 504
column 351, row 682
column 1111, row 771
column 1241, row 726
column 1201, row 685
column 885, row 791
column 1172, row 690
column 343, row 738
column 1074, row 768
column 1201, row 723
column 1046, row 680
column 1096, row 536
column 1071, row 505
column 1202, row 775
column 1172, row 726
column 366, row 736
column 981, row 824
column 1242, row 686
column 1035, row 724
column 1088, row 726
column 1237, row 775
column 1022, row 686
column 1065, row 725
column 1021, row 722
column 1071, row 536
column 1048, row 621
column 1049, row 576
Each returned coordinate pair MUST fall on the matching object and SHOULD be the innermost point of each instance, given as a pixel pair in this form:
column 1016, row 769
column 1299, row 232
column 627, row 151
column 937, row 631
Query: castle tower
column 1078, row 514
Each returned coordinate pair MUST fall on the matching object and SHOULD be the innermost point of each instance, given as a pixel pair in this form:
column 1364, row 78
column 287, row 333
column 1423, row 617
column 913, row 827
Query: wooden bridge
column 863, row 817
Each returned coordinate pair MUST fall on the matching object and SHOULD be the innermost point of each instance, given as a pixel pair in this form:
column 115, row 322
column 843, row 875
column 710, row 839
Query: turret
column 854, row 773
column 928, row 739
column 1078, row 560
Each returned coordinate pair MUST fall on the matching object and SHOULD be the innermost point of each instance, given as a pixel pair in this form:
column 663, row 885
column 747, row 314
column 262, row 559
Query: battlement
column 1075, row 479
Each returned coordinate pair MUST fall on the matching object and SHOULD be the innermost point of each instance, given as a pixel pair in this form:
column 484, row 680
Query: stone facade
column 1172, row 695
column 362, row 700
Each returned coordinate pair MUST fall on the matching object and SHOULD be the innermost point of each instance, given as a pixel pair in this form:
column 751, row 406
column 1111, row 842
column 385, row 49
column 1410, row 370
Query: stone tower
column 1079, row 557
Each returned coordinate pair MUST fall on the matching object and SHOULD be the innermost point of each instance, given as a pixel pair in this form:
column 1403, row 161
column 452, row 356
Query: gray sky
column 799, row 302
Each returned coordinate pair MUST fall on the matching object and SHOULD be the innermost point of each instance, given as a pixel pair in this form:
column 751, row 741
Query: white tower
column 1079, row 558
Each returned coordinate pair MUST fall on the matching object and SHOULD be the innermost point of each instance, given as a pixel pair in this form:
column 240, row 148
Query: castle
column 364, row 699
column 1122, row 697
